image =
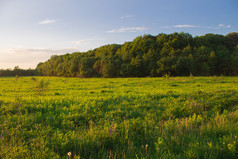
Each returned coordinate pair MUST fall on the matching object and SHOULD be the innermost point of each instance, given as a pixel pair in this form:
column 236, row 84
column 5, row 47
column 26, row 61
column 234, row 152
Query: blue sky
column 33, row 30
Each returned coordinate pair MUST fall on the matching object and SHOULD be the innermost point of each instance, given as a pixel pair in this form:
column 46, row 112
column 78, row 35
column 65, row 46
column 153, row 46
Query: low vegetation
column 170, row 117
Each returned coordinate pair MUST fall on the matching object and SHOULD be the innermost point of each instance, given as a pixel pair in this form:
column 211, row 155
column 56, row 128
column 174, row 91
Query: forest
column 176, row 54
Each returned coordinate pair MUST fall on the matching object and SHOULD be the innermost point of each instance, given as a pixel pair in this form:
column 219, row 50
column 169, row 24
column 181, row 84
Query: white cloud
column 47, row 21
column 127, row 29
column 182, row 26
column 198, row 26
column 28, row 58
column 224, row 26
column 87, row 41
column 186, row 26
column 125, row 17
column 79, row 42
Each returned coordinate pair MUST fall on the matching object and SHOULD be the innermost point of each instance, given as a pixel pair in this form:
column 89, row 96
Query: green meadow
column 167, row 117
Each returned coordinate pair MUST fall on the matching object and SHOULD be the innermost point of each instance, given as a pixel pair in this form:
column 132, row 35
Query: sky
column 31, row 31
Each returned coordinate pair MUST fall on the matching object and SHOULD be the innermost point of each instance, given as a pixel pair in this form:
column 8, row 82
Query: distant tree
column 86, row 67
column 126, row 70
column 234, row 62
column 138, row 67
column 108, row 68
column 97, row 67
column 223, row 59
column 150, row 62
column 232, row 39
column 17, row 71
column 212, row 61
column 177, row 54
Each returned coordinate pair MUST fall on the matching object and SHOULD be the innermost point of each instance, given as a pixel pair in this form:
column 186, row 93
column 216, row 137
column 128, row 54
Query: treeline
column 177, row 54
column 17, row 72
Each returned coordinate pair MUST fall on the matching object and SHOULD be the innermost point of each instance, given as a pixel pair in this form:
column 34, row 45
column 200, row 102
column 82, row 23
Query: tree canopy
column 17, row 71
column 176, row 54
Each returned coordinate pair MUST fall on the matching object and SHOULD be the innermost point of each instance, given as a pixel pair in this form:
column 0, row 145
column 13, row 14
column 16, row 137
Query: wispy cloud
column 224, row 26
column 186, row 26
column 47, row 21
column 86, row 41
column 126, row 16
column 181, row 26
column 219, row 26
column 127, row 29
column 198, row 26
column 79, row 42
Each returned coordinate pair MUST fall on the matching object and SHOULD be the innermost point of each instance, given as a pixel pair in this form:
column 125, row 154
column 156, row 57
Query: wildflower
column 209, row 144
column 69, row 154
column 231, row 147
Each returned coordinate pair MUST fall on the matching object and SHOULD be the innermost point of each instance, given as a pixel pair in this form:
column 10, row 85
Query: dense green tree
column 108, row 69
column 212, row 61
column 97, row 67
column 74, row 66
column 17, row 71
column 138, row 69
column 232, row 40
column 234, row 62
column 223, row 59
column 86, row 67
column 177, row 54
column 150, row 63
column 126, row 70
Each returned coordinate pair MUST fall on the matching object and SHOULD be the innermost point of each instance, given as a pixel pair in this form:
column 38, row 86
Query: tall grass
column 119, row 118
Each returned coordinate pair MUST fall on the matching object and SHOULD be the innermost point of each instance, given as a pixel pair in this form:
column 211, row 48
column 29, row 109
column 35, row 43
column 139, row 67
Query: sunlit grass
column 176, row 117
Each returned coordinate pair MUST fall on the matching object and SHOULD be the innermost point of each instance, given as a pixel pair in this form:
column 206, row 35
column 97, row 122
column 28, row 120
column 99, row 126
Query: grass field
column 180, row 117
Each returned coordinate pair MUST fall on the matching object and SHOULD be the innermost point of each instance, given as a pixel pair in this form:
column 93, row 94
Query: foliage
column 17, row 72
column 177, row 54
column 41, row 86
column 180, row 117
